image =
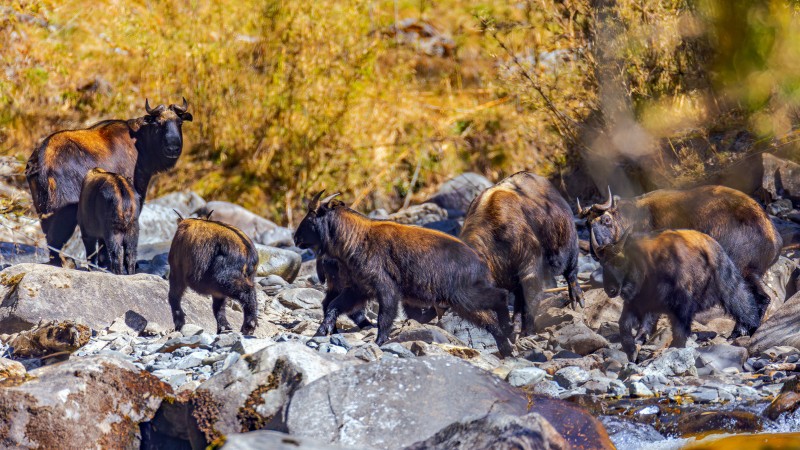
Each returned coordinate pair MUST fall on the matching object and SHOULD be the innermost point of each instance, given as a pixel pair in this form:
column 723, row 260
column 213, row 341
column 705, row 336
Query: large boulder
column 93, row 402
column 274, row 440
column 781, row 328
column 182, row 201
column 764, row 173
column 251, row 393
column 250, row 223
column 496, row 432
column 419, row 214
column 30, row 293
column 277, row 261
column 457, row 193
column 393, row 403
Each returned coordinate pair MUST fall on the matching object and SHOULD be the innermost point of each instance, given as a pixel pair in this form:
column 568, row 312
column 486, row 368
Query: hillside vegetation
column 291, row 97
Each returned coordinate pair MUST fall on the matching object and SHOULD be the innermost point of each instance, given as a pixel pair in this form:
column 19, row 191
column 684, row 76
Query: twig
column 564, row 288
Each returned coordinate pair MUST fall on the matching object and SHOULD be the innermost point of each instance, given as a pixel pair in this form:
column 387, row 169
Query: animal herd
column 667, row 252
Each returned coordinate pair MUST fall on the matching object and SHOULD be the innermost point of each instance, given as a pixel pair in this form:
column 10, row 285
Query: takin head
column 311, row 231
column 618, row 269
column 160, row 130
column 606, row 221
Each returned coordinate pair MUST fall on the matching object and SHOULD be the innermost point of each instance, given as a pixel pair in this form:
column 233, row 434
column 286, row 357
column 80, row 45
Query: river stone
column 363, row 405
column 787, row 401
column 301, row 298
column 525, row 376
column 672, row 362
column 721, row 356
column 250, row 393
column 578, row 338
column 496, row 432
column 782, row 328
column 571, row 377
column 92, row 402
column 277, row 261
column 469, row 333
column 30, row 293
column 274, row 440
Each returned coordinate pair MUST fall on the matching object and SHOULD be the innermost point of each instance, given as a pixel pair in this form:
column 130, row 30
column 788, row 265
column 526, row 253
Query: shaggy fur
column 678, row 273
column 213, row 259
column 135, row 149
column 108, row 215
column 524, row 230
column 392, row 262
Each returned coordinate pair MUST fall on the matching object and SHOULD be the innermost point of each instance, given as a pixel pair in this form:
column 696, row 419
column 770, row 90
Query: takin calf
column 674, row 272
column 729, row 216
column 524, row 230
column 394, row 263
column 213, row 259
column 136, row 148
column 108, row 215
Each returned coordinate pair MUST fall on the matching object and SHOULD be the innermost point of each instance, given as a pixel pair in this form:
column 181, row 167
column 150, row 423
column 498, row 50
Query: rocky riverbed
column 91, row 360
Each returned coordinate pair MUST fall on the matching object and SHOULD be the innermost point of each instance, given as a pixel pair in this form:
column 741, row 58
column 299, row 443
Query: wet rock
column 575, row 424
column 672, row 362
column 49, row 337
column 571, row 377
column 94, row 402
column 274, row 440
column 250, row 393
column 629, row 434
column 277, row 261
column 32, row 292
column 525, row 376
column 578, row 338
column 301, row 298
column 782, row 328
column 494, row 431
column 11, row 369
column 362, row 405
column 787, row 401
column 704, row 422
column 457, row 193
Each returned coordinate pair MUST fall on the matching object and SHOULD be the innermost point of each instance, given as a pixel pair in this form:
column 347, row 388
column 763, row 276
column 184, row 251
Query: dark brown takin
column 395, row 263
column 729, row 216
column 525, row 232
column 136, row 148
column 214, row 259
column 108, row 217
column 674, row 272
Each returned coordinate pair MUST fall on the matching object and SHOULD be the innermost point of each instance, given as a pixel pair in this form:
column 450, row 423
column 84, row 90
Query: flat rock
column 781, row 328
column 301, row 298
column 30, row 293
column 578, row 338
column 93, row 402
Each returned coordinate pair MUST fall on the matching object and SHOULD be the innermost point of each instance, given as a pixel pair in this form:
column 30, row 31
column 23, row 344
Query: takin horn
column 330, row 197
column 595, row 245
column 581, row 212
column 313, row 204
column 181, row 109
column 153, row 111
column 608, row 204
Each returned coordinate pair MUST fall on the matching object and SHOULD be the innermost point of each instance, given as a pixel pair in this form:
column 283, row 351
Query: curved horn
column 608, row 204
column 595, row 245
column 580, row 210
column 179, row 214
column 181, row 109
column 330, row 197
column 153, row 111
column 313, row 204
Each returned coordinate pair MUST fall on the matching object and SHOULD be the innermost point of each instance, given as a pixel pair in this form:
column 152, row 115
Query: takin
column 135, row 148
column 674, row 272
column 394, row 263
column 108, row 216
column 729, row 216
column 339, row 282
column 525, row 232
column 213, row 259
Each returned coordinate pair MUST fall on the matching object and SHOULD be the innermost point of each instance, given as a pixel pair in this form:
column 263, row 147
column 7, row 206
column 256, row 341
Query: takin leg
column 58, row 228
column 647, row 327
column 347, row 301
column 573, row 288
column 130, row 242
column 756, row 286
column 116, row 253
column 90, row 244
column 681, row 328
column 360, row 319
column 235, row 284
column 627, row 323
column 532, row 291
column 218, row 306
column 247, row 298
column 388, row 304
column 176, row 290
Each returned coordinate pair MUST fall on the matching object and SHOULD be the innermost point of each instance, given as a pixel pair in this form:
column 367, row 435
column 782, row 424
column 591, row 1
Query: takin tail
column 736, row 297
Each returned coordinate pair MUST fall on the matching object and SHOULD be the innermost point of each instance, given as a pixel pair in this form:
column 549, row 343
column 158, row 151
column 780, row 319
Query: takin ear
column 333, row 204
column 186, row 117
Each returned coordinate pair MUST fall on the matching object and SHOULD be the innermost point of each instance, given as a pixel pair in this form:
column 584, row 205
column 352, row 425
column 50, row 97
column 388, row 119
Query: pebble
column 570, row 377
column 525, row 376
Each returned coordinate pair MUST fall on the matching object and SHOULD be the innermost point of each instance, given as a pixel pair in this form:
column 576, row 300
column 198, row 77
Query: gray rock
column 93, row 402
column 629, row 434
column 720, row 357
column 578, row 338
column 253, row 390
column 457, row 193
column 33, row 292
column 301, row 298
column 782, row 328
column 571, row 377
column 272, row 280
column 605, row 387
column 547, row 388
column 251, row 224
column 175, row 377
column 672, row 362
column 368, row 352
column 469, row 333
column 246, row 345
column 274, row 440
column 525, row 376
column 277, row 261
column 276, row 237
column 638, row 389
column 191, row 329
column 419, row 214
column 704, row 395
column 180, row 342
column 426, row 333
column 330, row 348
column 183, row 201
column 193, row 359
column 363, row 405
column 397, row 350
column 496, row 432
